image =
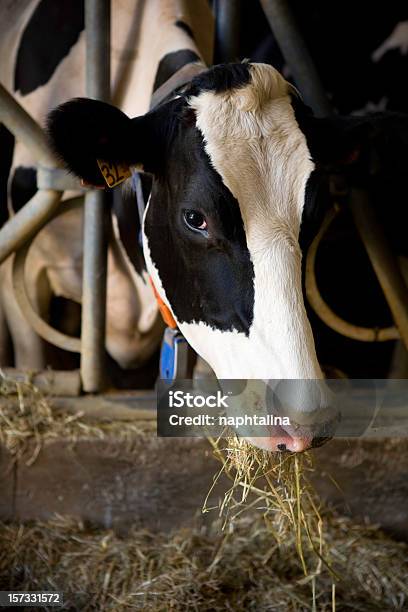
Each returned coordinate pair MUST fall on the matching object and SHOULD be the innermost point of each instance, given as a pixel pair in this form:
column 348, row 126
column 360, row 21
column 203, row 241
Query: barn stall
column 97, row 506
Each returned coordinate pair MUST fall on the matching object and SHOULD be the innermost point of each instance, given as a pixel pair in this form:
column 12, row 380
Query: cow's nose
column 302, row 438
column 282, row 443
column 299, row 445
column 285, row 441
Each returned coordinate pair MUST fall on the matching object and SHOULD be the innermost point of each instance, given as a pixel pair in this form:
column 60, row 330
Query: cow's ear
column 337, row 143
column 83, row 132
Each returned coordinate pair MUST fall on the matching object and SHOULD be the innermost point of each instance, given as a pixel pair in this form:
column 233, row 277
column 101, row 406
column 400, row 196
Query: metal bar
column 58, row 179
column 97, row 24
column 227, row 30
column 178, row 79
column 296, row 54
column 42, row 206
column 43, row 329
column 382, row 259
column 24, row 128
column 323, row 310
column 28, row 221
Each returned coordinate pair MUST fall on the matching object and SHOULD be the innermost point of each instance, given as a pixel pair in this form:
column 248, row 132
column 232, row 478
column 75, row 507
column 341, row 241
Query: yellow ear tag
column 113, row 173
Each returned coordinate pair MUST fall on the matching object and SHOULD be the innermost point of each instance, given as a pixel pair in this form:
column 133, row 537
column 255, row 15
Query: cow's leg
column 28, row 346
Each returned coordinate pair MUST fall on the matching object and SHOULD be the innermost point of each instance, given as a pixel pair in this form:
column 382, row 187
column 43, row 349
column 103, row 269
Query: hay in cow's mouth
column 277, row 485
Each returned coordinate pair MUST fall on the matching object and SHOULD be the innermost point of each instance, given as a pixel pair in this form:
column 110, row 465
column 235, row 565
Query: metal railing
column 52, row 180
column 97, row 26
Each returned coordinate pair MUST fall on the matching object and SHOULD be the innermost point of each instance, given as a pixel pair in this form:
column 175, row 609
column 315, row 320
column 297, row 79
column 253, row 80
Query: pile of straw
column 26, row 415
column 201, row 569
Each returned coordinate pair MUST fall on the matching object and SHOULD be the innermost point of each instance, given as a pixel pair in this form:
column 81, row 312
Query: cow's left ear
column 336, row 143
column 83, row 132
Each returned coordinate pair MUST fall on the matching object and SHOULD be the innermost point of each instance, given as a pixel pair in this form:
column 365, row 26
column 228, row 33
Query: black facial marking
column 172, row 62
column 317, row 202
column 6, row 157
column 221, row 78
column 23, row 187
column 206, row 278
column 52, row 31
column 185, row 27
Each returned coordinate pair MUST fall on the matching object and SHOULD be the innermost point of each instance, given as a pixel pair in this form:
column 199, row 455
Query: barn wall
column 161, row 483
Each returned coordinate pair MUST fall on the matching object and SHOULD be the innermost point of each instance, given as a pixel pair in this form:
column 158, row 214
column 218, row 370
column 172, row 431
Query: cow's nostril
column 281, row 447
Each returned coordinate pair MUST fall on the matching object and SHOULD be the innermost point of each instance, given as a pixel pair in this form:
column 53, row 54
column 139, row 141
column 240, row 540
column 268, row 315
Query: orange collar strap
column 164, row 309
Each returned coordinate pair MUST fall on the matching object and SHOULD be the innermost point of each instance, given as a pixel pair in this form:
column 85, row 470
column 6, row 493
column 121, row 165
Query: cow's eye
column 195, row 220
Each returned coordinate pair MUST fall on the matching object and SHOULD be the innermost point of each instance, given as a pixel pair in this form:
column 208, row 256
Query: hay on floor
column 273, row 548
column 26, row 415
column 201, row 570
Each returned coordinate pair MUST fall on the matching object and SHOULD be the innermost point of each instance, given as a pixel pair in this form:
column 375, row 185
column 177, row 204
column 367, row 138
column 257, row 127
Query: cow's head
column 221, row 230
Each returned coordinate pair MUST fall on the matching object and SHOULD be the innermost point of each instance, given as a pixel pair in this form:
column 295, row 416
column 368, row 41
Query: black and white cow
column 235, row 159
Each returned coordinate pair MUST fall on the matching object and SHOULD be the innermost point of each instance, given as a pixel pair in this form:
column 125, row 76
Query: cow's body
column 45, row 46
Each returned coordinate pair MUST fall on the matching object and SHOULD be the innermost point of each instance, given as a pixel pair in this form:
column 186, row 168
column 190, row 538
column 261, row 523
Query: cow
column 44, row 42
column 238, row 165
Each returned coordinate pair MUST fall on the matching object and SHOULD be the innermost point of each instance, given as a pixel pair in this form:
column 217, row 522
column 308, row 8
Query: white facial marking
column 255, row 144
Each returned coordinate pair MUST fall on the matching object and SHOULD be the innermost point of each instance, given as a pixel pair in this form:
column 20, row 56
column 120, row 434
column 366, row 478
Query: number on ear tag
column 113, row 173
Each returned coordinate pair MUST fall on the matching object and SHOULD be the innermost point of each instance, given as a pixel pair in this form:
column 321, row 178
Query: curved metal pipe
column 323, row 310
column 28, row 221
column 227, row 30
column 42, row 205
column 296, row 54
column 24, row 128
column 382, row 259
column 43, row 329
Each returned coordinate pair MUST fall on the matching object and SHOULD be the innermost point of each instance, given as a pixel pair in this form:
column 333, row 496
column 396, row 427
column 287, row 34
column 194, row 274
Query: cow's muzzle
column 296, row 438
column 312, row 417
